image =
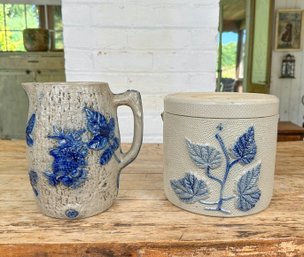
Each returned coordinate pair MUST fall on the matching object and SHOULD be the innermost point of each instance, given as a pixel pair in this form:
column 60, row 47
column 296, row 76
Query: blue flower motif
column 29, row 130
column 34, row 181
column 71, row 213
column 103, row 132
column 69, row 162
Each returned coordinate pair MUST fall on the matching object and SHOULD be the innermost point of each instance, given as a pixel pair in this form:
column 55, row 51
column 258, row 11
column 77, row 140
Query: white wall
column 154, row 46
column 290, row 91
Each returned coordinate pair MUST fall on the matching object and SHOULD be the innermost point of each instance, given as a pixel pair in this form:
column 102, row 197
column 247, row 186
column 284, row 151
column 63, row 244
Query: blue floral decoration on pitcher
column 29, row 129
column 191, row 189
column 103, row 132
column 69, row 165
column 34, row 181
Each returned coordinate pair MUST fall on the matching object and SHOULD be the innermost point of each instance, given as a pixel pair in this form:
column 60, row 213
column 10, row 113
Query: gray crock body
column 219, row 152
column 73, row 146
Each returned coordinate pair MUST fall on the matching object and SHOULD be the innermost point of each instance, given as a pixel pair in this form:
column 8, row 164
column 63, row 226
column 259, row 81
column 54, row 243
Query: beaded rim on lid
column 222, row 105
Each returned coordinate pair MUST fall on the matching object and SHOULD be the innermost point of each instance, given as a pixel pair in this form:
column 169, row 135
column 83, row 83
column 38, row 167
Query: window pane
column 32, row 16
column 15, row 41
column 229, row 51
column 58, row 40
column 1, row 18
column 15, row 16
column 2, row 41
column 57, row 18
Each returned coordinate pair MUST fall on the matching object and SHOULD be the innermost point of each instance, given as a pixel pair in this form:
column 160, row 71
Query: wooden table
column 288, row 131
column 142, row 223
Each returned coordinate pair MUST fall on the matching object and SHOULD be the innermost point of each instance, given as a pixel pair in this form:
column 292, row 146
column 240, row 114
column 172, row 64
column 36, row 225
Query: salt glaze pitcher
column 73, row 146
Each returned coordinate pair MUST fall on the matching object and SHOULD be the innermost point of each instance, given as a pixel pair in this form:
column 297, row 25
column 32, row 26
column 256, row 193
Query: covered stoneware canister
column 219, row 152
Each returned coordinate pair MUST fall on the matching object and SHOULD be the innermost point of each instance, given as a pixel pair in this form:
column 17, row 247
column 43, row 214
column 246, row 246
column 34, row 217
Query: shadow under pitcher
column 73, row 145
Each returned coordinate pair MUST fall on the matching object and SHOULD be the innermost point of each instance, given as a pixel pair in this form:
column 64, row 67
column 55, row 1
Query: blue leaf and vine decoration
column 34, row 181
column 103, row 132
column 69, row 165
column 29, row 129
column 248, row 193
column 190, row 189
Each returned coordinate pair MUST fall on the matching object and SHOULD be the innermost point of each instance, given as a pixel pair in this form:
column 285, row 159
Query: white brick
column 76, row 14
column 75, row 37
column 76, row 60
column 122, row 61
column 161, row 83
column 117, row 82
column 109, row 38
column 145, row 2
column 156, row 47
column 95, row 38
column 108, row 14
column 158, row 39
column 153, row 127
column 154, row 16
column 181, row 62
column 172, row 2
column 202, row 82
column 203, row 38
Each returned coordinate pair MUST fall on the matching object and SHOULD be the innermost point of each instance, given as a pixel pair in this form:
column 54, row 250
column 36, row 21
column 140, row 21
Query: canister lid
column 222, row 105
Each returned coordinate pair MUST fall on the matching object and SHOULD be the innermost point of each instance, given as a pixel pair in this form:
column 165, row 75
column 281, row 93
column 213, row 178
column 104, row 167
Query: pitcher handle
column 132, row 99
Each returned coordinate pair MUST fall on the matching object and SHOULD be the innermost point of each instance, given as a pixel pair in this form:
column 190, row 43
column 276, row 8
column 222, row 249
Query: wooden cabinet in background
column 16, row 68
column 288, row 131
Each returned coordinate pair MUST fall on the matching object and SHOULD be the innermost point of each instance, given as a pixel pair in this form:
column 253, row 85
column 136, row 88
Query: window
column 14, row 18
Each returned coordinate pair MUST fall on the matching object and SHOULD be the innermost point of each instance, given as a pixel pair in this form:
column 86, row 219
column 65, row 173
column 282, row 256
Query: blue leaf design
column 189, row 189
column 29, row 129
column 103, row 131
column 204, row 156
column 115, row 144
column 96, row 121
column 248, row 192
column 106, row 156
column 34, row 181
column 245, row 148
column 98, row 142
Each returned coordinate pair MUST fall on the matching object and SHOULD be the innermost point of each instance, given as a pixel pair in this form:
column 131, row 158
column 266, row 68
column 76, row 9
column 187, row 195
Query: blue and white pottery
column 73, row 146
column 219, row 152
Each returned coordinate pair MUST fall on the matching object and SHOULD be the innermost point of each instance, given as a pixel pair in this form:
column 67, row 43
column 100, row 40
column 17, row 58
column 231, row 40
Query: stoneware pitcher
column 73, row 145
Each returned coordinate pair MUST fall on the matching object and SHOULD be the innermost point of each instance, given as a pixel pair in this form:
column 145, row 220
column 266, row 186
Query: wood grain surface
column 142, row 223
column 288, row 131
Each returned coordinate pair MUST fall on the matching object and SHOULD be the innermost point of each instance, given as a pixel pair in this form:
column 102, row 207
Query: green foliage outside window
column 229, row 60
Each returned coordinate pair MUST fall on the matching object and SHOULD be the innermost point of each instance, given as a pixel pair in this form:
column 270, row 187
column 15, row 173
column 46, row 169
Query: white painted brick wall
column 154, row 46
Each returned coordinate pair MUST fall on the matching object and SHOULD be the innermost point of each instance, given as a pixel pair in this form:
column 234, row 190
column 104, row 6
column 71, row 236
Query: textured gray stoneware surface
column 74, row 152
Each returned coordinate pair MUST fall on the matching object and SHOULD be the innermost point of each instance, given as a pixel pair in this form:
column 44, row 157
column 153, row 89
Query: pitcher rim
column 68, row 83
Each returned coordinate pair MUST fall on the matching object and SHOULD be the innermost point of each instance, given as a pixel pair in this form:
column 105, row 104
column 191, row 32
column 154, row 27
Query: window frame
column 46, row 21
